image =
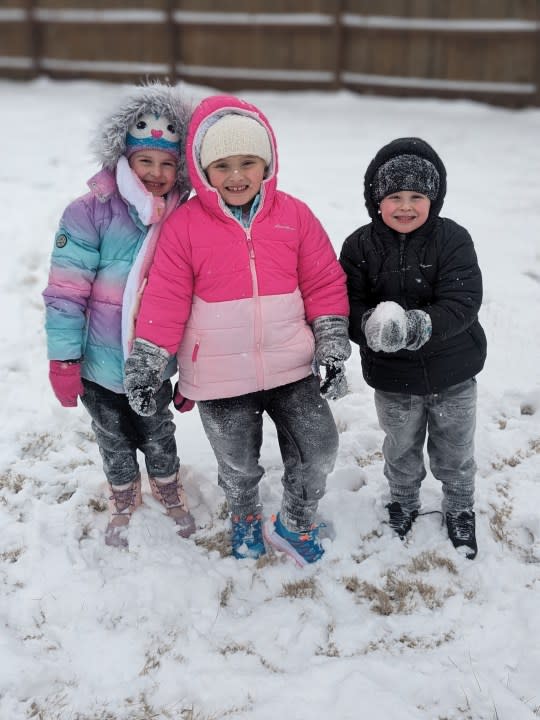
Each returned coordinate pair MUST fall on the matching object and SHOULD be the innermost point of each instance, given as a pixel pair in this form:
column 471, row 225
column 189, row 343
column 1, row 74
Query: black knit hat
column 405, row 172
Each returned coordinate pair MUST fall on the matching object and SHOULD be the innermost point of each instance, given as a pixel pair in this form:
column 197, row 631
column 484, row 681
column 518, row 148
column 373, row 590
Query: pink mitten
column 65, row 379
column 181, row 403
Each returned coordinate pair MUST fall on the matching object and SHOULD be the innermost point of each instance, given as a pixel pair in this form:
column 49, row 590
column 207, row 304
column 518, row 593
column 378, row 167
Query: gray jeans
column 120, row 432
column 449, row 418
column 307, row 437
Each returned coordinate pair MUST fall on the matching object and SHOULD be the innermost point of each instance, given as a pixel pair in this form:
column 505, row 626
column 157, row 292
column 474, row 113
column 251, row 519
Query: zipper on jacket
column 257, row 329
column 402, row 241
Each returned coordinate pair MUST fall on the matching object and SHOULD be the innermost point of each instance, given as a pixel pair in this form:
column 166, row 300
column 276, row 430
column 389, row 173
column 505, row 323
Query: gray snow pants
column 308, row 441
column 449, row 417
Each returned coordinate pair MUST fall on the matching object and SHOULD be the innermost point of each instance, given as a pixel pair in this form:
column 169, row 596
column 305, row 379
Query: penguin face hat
column 153, row 132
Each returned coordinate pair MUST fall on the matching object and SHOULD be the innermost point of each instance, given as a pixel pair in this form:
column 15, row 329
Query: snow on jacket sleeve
column 321, row 278
column 74, row 262
column 457, row 293
column 166, row 303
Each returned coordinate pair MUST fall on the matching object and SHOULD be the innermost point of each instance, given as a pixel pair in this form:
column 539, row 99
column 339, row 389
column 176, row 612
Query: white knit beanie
column 235, row 135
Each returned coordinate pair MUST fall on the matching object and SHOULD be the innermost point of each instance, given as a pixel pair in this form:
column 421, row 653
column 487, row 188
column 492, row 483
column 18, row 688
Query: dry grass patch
column 14, row 482
column 498, row 521
column 428, row 561
column 397, row 595
column 225, row 594
column 306, row 588
column 220, row 542
column 97, row 504
column 330, row 649
column 519, row 456
column 11, row 556
column 37, row 446
column 370, row 459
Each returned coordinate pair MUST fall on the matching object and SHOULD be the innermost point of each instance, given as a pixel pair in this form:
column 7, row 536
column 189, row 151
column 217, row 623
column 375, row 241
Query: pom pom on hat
column 405, row 172
column 235, row 135
column 153, row 132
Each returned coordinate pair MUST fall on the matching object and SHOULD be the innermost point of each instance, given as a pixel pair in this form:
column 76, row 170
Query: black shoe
column 462, row 532
column 400, row 520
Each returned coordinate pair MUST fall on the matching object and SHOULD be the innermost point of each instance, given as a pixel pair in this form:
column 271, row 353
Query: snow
column 386, row 328
column 171, row 629
column 484, row 25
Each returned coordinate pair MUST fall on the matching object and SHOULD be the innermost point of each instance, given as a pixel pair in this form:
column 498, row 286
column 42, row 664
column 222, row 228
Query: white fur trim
column 137, row 278
column 149, row 207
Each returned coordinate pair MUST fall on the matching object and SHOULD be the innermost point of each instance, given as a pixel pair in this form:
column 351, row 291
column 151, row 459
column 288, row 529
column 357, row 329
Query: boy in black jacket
column 415, row 289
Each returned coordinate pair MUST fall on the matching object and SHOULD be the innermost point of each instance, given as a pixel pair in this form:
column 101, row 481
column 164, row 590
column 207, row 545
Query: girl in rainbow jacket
column 102, row 251
column 246, row 289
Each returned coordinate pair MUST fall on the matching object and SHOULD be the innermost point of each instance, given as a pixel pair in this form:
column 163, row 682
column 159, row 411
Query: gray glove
column 389, row 328
column 143, row 375
column 332, row 348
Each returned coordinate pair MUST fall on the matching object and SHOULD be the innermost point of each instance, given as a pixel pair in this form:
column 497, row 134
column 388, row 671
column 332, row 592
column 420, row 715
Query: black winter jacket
column 434, row 269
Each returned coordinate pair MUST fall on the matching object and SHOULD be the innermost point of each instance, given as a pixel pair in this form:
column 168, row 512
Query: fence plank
column 338, row 43
column 537, row 74
column 174, row 46
column 34, row 37
column 489, row 49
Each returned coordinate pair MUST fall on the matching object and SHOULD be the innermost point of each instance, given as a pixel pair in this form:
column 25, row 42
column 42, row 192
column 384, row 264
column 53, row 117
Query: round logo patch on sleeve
column 61, row 241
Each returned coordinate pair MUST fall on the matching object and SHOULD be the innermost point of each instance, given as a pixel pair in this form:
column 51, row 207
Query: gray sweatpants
column 449, row 418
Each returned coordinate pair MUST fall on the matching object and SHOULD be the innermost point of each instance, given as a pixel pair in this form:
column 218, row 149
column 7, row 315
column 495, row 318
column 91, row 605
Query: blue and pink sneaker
column 247, row 538
column 303, row 547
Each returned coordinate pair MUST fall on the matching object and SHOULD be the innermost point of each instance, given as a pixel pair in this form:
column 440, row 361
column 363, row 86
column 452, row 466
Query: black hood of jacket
column 404, row 146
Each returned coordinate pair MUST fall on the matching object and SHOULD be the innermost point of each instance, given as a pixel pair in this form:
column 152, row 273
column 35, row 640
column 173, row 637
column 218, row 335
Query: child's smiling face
column 237, row 178
column 405, row 211
column 156, row 170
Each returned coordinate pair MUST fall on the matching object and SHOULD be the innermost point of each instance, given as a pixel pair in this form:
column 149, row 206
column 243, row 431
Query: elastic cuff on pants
column 297, row 521
column 244, row 509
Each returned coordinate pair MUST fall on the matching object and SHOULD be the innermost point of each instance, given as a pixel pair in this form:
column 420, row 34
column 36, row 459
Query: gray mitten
column 331, row 339
column 418, row 329
column 334, row 385
column 143, row 375
column 386, row 327
column 332, row 348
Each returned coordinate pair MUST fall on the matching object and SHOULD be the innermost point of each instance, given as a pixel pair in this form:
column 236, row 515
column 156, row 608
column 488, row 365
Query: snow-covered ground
column 177, row 629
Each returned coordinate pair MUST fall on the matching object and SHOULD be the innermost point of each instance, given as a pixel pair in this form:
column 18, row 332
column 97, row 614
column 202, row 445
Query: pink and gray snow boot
column 170, row 493
column 123, row 502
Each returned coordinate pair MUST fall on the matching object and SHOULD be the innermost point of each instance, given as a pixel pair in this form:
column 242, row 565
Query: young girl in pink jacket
column 247, row 291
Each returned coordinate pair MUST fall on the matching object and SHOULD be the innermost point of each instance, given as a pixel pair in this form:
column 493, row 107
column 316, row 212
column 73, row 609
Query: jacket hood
column 204, row 116
column 405, row 146
column 109, row 142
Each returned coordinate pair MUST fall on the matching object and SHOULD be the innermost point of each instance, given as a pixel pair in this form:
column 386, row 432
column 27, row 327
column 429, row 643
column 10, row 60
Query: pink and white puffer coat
column 235, row 303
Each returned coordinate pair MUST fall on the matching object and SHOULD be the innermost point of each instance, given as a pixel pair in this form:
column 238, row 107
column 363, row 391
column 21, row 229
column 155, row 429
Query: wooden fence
column 487, row 50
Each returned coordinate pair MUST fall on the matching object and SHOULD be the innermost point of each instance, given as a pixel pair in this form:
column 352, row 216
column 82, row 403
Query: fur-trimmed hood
column 109, row 142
